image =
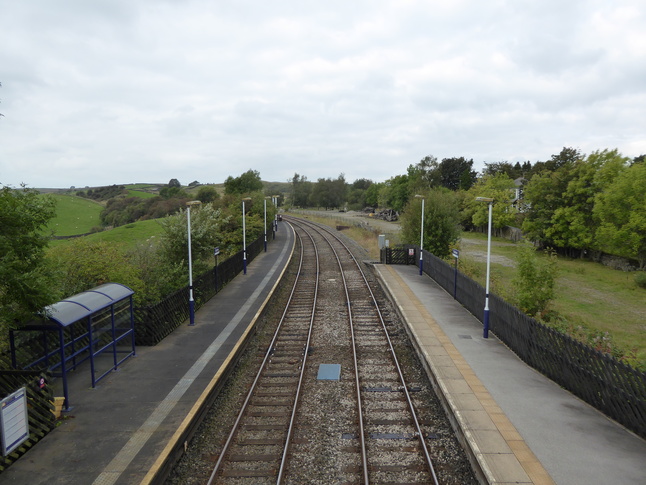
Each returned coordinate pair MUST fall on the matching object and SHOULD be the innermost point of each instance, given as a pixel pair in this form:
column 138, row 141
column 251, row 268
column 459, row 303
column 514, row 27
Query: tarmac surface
column 573, row 442
column 117, row 432
column 519, row 426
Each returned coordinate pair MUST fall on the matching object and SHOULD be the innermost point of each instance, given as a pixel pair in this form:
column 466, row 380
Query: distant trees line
column 580, row 205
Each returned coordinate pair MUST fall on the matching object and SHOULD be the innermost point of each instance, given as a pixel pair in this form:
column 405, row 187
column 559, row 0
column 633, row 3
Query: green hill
column 74, row 215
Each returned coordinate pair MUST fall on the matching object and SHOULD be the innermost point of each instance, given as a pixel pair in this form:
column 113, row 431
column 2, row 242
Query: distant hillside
column 74, row 215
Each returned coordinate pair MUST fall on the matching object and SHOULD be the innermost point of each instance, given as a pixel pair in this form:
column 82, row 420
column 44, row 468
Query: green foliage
column 640, row 279
column 124, row 210
column 534, row 282
column 441, row 218
column 244, row 184
column 329, row 193
column 103, row 193
column 82, row 265
column 395, row 193
column 207, row 194
column 621, row 209
column 573, row 222
column 26, row 285
column 498, row 187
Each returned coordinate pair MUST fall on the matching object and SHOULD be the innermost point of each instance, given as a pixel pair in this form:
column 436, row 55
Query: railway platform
column 520, row 426
column 119, row 432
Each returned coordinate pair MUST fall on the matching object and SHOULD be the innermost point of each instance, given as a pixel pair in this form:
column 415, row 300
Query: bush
column 640, row 279
column 534, row 283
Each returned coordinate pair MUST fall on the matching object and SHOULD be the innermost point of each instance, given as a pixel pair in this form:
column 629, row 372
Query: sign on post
column 14, row 420
column 456, row 253
column 216, row 251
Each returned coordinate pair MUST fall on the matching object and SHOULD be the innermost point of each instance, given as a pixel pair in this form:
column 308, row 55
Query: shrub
column 640, row 279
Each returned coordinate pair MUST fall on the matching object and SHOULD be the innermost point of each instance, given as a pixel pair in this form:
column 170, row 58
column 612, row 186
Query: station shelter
column 95, row 325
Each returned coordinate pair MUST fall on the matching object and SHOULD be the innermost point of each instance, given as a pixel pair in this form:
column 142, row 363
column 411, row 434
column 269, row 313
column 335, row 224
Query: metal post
column 265, row 204
column 486, row 308
column 244, row 241
column 421, row 238
column 191, row 302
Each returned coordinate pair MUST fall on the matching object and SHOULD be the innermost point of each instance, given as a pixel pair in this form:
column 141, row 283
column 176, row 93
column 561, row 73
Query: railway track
column 300, row 425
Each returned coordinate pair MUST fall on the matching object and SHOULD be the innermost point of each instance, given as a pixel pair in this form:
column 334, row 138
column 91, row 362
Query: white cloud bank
column 96, row 93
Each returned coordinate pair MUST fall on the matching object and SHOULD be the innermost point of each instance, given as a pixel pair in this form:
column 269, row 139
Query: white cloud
column 98, row 93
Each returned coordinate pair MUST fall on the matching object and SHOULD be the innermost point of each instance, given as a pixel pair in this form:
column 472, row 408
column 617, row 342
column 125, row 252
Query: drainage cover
column 329, row 372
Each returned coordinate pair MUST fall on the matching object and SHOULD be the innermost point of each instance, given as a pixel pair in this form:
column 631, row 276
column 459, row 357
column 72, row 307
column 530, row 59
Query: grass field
column 592, row 298
column 140, row 193
column 74, row 215
column 129, row 236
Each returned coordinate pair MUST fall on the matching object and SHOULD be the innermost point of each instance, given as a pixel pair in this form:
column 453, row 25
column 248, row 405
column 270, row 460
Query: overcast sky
column 122, row 91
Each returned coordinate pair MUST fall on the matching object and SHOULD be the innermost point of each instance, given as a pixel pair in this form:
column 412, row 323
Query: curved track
column 362, row 428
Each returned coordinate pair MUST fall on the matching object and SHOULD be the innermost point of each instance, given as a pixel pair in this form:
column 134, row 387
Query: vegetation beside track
column 596, row 304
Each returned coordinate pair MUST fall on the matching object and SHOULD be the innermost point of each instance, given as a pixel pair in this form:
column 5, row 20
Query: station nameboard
column 14, row 421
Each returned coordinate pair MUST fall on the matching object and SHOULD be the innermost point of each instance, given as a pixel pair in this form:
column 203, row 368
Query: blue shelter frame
column 88, row 325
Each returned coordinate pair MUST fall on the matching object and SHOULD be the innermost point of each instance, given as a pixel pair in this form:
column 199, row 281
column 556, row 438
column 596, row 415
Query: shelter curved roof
column 81, row 305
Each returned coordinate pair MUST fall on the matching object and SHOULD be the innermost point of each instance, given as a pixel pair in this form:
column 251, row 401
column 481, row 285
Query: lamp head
column 484, row 199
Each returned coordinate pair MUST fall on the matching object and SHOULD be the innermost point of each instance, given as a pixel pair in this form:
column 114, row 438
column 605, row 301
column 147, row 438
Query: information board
column 14, row 421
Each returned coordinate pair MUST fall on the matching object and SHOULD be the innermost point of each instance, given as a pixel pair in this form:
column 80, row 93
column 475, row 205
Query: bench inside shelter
column 96, row 325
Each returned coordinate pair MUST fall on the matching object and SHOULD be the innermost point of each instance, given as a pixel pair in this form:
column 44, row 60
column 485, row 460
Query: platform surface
column 511, row 414
column 115, row 433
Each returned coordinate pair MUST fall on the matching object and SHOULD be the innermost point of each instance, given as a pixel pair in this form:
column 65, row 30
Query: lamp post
column 244, row 238
column 421, row 237
column 485, row 333
column 275, row 199
column 265, row 205
column 191, row 302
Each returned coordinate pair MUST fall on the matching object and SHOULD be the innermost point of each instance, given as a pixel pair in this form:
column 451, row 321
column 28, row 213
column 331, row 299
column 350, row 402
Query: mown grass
column 141, row 194
column 128, row 236
column 74, row 215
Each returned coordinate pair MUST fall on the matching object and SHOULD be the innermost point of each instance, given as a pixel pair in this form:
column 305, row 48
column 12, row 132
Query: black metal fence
column 155, row 322
column 599, row 379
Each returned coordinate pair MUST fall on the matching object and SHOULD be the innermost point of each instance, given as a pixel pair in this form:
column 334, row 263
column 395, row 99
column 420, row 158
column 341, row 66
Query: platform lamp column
column 191, row 301
column 485, row 319
column 275, row 199
column 244, row 237
column 265, row 207
column 421, row 237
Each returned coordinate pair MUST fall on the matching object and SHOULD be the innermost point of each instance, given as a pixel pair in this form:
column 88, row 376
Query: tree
column 573, row 224
column 244, row 184
column 395, row 192
column 26, row 284
column 301, row 190
column 441, row 214
column 498, row 187
column 207, row 194
column 534, row 281
column 206, row 234
column 456, row 173
column 544, row 194
column 423, row 175
column 621, row 209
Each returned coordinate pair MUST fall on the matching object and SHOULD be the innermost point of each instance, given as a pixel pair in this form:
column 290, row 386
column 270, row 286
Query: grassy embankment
column 76, row 215
column 600, row 305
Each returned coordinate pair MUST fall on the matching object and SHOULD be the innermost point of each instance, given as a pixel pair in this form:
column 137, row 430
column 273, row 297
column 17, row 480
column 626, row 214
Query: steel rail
column 411, row 407
column 268, row 354
column 292, row 418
